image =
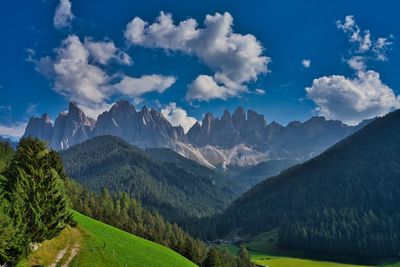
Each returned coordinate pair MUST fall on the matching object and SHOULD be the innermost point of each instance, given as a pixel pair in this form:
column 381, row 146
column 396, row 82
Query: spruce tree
column 36, row 186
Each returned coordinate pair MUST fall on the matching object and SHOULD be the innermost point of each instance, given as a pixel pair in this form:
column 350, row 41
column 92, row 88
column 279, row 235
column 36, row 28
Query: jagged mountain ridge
column 237, row 139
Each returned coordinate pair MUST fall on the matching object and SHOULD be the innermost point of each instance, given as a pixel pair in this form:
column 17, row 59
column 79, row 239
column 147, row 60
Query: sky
column 289, row 60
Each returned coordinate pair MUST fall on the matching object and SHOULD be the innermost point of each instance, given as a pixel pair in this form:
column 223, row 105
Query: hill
column 341, row 203
column 171, row 189
column 94, row 243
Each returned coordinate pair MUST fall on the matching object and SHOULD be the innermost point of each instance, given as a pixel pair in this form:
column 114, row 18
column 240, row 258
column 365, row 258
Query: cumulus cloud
column 306, row 63
column 235, row 58
column 352, row 100
column 13, row 131
column 178, row 116
column 205, row 88
column 103, row 52
column 63, row 15
column 75, row 77
column 147, row 83
column 78, row 79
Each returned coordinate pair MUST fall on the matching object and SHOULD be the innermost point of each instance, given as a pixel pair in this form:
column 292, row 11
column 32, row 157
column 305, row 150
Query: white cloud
column 364, row 41
column 357, row 63
column 260, row 91
column 63, row 15
column 380, row 47
column 148, row 83
column 76, row 78
column 306, row 63
column 178, row 116
column 103, row 52
column 352, row 100
column 205, row 88
column 13, row 131
column 94, row 110
column 235, row 58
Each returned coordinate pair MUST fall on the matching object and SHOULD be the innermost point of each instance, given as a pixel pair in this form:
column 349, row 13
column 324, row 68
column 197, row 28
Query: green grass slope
column 108, row 246
column 94, row 243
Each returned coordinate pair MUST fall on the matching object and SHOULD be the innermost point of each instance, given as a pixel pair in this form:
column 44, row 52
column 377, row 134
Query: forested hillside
column 342, row 203
column 175, row 192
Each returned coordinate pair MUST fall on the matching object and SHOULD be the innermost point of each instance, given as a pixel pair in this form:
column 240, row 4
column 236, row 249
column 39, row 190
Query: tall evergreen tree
column 36, row 186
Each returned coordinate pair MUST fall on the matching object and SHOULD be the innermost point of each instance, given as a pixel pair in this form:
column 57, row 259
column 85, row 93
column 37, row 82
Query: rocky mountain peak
column 123, row 106
column 226, row 116
column 45, row 118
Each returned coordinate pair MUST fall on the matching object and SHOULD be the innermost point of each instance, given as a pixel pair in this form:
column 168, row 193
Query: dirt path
column 59, row 257
column 74, row 252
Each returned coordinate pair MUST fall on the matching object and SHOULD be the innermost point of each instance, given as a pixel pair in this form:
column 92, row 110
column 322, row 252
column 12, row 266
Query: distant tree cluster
column 34, row 205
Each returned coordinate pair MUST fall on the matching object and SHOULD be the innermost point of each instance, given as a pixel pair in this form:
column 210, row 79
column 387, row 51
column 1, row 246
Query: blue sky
column 225, row 54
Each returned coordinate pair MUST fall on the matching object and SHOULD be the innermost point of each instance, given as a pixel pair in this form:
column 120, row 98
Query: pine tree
column 243, row 259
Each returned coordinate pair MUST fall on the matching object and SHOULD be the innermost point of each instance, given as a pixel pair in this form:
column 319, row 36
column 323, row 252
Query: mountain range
column 238, row 139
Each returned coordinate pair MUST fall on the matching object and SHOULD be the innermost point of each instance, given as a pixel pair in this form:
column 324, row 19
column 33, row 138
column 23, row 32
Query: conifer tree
column 243, row 259
column 36, row 186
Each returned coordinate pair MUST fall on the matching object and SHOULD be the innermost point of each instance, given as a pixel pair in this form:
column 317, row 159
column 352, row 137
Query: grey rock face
column 39, row 127
column 145, row 128
column 233, row 139
column 70, row 128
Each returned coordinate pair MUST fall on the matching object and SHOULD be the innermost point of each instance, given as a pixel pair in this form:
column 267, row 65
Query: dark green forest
column 344, row 202
column 176, row 192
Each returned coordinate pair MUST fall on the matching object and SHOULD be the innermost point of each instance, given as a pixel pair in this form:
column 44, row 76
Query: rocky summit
column 238, row 139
